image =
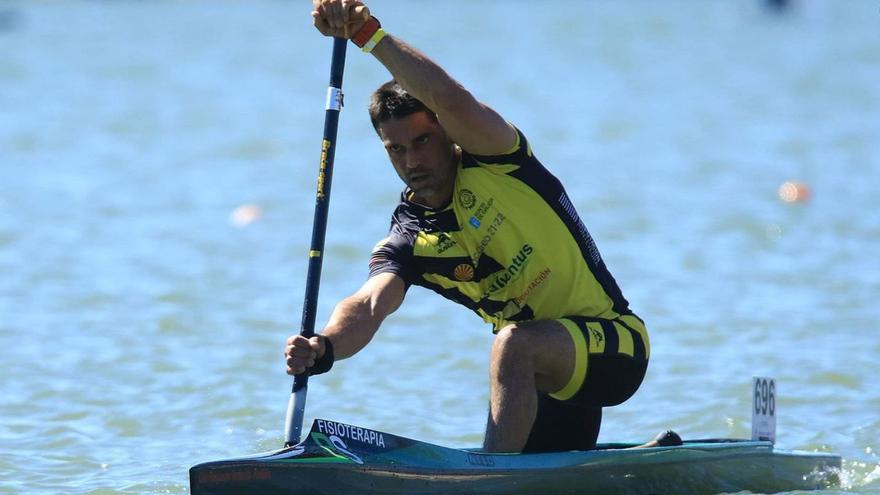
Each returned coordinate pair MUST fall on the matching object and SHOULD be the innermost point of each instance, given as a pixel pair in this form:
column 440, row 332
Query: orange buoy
column 245, row 215
column 794, row 192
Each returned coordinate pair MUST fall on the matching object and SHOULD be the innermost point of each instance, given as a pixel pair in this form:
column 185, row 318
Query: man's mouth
column 417, row 178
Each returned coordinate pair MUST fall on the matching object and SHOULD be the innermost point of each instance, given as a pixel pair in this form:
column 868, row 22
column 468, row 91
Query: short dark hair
column 391, row 101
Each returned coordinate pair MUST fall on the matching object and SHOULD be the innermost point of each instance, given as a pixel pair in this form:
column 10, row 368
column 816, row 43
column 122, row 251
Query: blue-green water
column 141, row 331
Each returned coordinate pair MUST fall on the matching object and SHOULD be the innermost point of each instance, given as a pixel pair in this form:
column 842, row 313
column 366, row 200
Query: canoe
column 336, row 458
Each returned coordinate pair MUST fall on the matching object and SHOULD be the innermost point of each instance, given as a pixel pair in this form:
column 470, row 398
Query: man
column 483, row 223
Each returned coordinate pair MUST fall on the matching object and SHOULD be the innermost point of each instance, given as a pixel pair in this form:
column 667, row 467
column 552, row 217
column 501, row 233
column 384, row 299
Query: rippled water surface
column 141, row 329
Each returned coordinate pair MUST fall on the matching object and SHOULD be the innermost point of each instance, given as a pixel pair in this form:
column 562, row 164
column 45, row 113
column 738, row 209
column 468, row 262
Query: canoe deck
column 337, row 458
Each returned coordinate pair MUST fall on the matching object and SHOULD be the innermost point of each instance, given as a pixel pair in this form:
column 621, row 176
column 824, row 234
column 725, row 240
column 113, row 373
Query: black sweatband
column 325, row 362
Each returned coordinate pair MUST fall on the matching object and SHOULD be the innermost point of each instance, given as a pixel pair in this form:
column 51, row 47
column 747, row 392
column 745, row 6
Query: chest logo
column 466, row 198
column 444, row 242
column 464, row 272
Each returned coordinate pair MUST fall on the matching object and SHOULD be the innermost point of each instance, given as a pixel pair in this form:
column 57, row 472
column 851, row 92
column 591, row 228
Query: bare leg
column 526, row 358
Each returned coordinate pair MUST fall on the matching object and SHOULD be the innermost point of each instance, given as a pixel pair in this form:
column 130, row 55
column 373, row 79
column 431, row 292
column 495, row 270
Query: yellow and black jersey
column 509, row 245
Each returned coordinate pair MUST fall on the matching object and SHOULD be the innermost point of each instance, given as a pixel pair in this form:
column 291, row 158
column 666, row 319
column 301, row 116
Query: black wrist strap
column 325, row 362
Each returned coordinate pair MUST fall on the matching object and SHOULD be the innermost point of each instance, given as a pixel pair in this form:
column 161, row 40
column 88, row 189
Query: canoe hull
column 337, row 458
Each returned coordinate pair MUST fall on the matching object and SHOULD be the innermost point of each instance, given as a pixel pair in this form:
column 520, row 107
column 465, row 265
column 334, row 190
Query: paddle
column 297, row 403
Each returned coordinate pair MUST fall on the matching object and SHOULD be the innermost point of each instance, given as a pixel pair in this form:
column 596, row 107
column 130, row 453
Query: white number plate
column 764, row 409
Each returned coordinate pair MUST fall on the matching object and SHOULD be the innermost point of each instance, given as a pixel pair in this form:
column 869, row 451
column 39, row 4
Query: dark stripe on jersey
column 398, row 244
column 445, row 267
column 451, row 294
column 490, row 306
column 468, row 161
column 409, row 214
column 525, row 314
column 443, row 221
column 521, row 155
column 551, row 191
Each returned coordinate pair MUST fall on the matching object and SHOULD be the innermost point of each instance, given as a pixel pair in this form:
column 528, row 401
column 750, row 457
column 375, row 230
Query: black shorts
column 612, row 358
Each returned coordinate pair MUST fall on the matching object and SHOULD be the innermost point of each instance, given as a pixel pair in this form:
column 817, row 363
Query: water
column 141, row 332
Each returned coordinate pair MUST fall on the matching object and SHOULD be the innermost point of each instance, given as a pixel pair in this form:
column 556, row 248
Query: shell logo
column 464, row 272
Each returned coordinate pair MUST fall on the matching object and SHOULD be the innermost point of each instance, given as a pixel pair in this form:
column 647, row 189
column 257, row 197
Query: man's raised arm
column 474, row 126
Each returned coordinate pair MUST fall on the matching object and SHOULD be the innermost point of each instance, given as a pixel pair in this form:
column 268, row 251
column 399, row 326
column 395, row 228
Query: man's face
column 423, row 156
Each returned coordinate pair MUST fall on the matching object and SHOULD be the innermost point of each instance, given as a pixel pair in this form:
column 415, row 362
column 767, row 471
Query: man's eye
column 422, row 140
column 394, row 148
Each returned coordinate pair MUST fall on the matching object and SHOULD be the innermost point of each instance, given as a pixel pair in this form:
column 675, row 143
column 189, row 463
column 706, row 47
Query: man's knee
column 543, row 348
column 512, row 341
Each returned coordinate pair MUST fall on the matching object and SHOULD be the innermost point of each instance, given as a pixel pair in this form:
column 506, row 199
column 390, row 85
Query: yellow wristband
column 374, row 40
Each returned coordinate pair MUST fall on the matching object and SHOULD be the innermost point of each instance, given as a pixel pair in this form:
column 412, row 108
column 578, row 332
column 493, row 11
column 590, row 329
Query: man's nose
column 412, row 159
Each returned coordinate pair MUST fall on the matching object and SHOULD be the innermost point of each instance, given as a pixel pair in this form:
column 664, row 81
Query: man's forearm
column 419, row 75
column 473, row 126
column 351, row 326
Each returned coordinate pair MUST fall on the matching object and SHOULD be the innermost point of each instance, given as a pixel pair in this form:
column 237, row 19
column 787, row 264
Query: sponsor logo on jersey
column 490, row 234
column 537, row 282
column 444, row 242
column 582, row 229
column 476, row 220
column 466, row 198
column 516, row 265
column 463, row 272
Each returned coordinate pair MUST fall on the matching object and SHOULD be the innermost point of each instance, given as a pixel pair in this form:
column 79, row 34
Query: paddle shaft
column 296, row 405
